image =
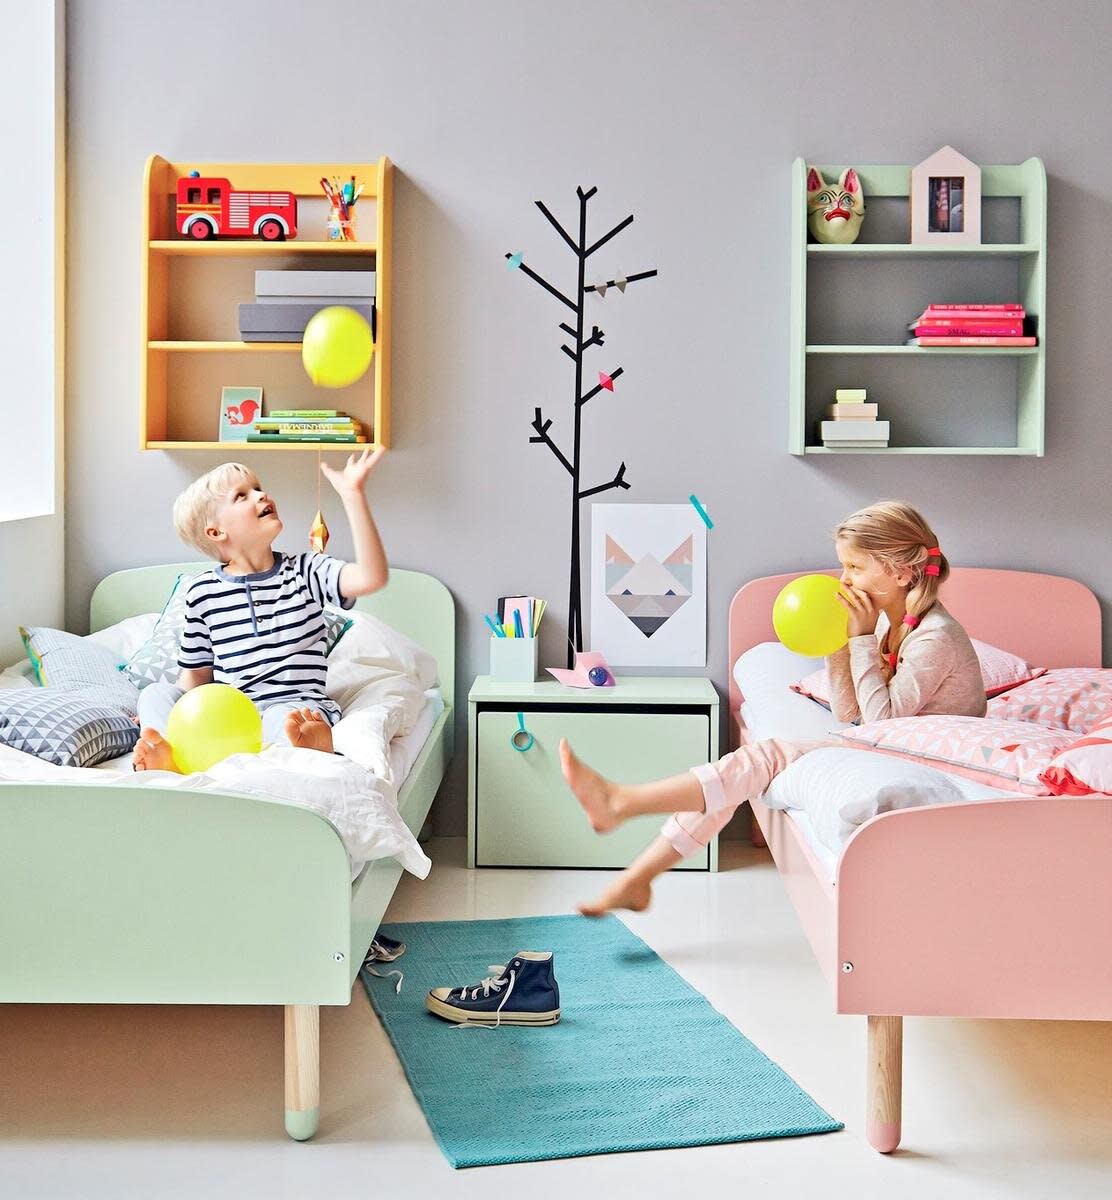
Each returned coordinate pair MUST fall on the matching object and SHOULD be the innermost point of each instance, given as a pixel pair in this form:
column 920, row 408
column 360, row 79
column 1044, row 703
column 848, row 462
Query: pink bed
column 994, row 908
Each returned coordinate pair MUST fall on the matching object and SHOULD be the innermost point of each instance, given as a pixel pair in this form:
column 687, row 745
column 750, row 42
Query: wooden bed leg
column 302, row 1070
column 885, row 1083
column 756, row 835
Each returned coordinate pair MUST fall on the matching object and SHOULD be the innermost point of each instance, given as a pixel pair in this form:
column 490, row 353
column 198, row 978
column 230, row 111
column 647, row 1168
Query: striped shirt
column 265, row 633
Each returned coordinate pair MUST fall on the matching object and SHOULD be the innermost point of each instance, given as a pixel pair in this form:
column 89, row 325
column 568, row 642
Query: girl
column 906, row 655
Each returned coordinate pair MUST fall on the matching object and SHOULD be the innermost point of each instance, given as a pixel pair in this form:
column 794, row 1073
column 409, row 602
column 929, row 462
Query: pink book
column 936, row 309
column 968, row 328
column 972, row 341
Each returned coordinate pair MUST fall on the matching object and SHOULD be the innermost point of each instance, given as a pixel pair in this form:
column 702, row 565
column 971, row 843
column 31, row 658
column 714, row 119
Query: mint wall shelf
column 1024, row 183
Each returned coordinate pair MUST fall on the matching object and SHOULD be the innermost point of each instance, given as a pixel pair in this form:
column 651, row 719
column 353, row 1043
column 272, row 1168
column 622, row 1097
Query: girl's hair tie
column 932, row 569
column 892, row 660
column 933, row 550
column 910, row 621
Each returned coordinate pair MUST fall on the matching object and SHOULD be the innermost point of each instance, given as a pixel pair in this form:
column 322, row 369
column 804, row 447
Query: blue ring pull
column 521, row 739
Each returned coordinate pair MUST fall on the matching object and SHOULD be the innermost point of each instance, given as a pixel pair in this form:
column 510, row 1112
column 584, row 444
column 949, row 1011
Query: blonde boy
column 255, row 621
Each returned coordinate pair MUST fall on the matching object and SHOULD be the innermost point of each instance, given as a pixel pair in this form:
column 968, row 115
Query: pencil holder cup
column 513, row 660
column 340, row 228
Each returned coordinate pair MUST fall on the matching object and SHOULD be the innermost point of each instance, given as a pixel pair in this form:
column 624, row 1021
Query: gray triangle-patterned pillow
column 156, row 661
column 70, row 729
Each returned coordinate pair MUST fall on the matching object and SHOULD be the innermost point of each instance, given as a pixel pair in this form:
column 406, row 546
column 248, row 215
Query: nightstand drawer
column 525, row 814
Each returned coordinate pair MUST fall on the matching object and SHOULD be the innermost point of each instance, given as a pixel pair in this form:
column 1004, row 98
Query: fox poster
column 649, row 585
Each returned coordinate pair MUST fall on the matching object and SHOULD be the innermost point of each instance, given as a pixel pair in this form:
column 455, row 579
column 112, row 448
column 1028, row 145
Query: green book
column 314, row 414
column 305, row 437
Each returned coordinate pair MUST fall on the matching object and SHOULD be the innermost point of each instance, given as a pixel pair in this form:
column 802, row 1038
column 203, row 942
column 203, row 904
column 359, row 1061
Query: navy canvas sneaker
column 384, row 949
column 522, row 992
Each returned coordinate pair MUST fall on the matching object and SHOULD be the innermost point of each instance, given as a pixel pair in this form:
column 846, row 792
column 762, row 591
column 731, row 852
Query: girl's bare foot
column 152, row 753
column 595, row 793
column 627, row 891
column 308, row 730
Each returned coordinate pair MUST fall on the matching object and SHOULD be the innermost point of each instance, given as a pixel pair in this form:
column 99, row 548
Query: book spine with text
column 972, row 341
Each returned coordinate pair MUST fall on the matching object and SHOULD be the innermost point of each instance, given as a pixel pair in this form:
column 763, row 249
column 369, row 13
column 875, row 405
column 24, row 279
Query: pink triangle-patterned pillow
column 1005, row 754
column 1073, row 698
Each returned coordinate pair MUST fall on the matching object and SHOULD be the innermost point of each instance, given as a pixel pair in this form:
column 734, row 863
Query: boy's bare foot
column 308, row 730
column 152, row 753
column 595, row 793
column 625, row 892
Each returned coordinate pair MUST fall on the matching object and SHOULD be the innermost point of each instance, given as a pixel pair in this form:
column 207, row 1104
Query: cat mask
column 835, row 211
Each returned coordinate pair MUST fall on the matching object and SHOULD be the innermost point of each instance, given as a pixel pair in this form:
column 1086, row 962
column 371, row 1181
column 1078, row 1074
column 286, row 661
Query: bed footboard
column 998, row 908
column 116, row 894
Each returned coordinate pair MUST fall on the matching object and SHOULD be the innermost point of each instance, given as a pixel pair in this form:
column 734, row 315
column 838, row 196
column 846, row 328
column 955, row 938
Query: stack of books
column 307, row 425
column 970, row 325
column 286, row 300
column 852, row 423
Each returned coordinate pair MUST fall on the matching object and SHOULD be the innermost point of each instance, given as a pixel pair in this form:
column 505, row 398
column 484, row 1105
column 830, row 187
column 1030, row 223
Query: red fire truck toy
column 209, row 207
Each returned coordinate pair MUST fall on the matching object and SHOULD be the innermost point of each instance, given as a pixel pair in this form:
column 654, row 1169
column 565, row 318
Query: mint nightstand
column 520, row 812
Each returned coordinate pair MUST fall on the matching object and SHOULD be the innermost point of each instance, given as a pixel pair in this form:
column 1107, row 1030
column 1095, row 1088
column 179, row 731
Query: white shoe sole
column 451, row 1013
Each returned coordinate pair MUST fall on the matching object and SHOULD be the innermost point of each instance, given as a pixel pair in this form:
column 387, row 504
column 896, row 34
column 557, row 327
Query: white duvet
column 379, row 677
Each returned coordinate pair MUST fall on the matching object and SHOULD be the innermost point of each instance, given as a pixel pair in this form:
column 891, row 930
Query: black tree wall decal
column 582, row 251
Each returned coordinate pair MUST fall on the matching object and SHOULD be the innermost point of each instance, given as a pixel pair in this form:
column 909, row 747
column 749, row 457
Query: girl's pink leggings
column 733, row 779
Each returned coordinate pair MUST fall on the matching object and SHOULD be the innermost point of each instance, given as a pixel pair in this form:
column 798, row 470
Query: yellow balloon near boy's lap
column 337, row 346
column 211, row 722
column 808, row 618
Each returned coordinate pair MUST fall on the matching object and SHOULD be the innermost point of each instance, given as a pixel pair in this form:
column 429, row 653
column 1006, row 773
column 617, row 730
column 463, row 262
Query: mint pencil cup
column 513, row 660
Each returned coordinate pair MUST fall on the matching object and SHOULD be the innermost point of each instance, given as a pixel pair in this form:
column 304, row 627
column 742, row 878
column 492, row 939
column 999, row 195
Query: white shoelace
column 386, row 975
column 495, row 981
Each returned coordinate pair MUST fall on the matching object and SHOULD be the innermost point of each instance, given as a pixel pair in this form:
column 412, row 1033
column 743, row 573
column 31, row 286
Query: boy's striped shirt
column 265, row 633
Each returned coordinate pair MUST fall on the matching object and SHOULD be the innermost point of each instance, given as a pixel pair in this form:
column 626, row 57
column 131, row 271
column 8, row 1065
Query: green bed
column 115, row 895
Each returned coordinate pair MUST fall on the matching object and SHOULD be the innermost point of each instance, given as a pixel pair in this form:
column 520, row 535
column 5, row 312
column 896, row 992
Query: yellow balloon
column 210, row 722
column 337, row 346
column 807, row 617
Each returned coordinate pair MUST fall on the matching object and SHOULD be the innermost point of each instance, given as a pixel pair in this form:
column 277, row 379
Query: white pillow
column 841, row 788
column 373, row 664
column 764, row 673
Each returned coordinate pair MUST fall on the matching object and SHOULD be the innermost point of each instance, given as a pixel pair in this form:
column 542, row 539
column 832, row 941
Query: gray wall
column 688, row 115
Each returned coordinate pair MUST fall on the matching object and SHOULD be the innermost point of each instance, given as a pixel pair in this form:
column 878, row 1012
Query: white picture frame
column 945, row 200
column 649, row 585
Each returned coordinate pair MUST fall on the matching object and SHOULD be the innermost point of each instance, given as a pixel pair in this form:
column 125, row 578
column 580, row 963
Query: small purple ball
column 599, row 676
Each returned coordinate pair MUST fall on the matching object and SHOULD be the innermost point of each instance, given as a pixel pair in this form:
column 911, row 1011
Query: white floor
column 183, row 1102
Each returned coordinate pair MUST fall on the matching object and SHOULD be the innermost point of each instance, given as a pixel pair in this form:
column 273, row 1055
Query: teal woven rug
column 639, row 1060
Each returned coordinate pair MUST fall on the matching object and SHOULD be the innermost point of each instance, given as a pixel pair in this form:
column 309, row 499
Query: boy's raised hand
column 351, row 479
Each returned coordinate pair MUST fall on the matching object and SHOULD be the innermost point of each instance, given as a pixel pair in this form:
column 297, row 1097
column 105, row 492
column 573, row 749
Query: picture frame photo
column 945, row 200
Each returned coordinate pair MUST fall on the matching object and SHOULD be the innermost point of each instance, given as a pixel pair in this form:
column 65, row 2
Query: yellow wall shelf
column 182, row 373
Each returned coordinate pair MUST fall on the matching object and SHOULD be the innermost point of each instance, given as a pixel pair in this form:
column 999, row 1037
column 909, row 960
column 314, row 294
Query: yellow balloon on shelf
column 211, row 722
column 337, row 346
column 807, row 617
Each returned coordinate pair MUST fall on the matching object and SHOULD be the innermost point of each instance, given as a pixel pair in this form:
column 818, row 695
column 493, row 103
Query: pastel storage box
column 513, row 660
column 521, row 813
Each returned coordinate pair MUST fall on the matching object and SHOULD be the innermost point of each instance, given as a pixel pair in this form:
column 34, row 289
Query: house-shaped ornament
column 945, row 200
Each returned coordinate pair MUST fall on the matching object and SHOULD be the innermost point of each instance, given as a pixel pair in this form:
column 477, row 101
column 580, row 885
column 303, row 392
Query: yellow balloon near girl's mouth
column 211, row 722
column 337, row 346
column 808, row 618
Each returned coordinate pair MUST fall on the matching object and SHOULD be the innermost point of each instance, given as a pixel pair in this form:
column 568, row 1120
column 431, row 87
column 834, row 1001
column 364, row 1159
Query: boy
column 255, row 621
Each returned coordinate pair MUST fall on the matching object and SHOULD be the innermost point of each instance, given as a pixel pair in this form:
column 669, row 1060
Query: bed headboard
column 415, row 604
column 1050, row 620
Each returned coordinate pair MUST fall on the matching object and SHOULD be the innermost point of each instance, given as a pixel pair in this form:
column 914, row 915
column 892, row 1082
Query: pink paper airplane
column 605, row 381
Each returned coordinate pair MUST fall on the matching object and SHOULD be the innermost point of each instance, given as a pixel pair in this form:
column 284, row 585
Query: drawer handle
column 521, row 739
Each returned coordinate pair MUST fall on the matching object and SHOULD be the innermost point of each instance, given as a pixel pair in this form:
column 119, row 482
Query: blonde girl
column 906, row 656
